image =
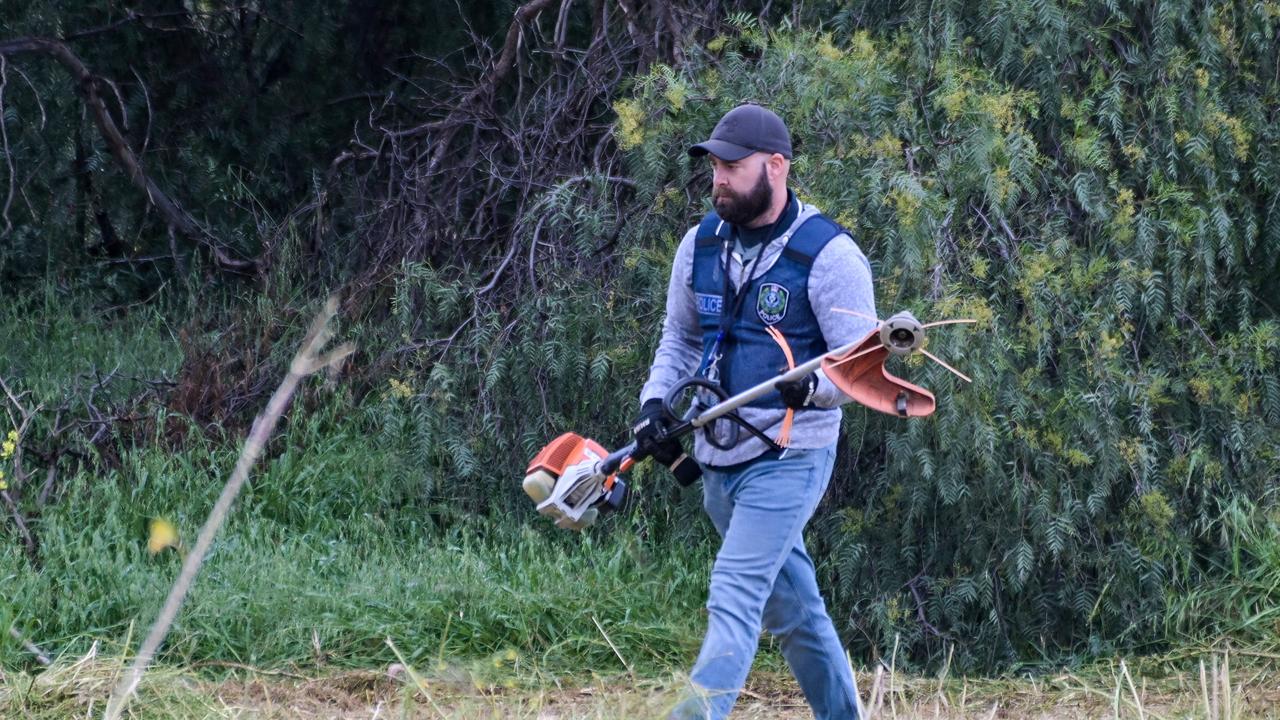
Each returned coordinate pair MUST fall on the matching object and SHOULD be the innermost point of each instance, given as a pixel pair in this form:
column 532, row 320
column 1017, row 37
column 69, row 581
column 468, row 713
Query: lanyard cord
column 739, row 295
column 727, row 319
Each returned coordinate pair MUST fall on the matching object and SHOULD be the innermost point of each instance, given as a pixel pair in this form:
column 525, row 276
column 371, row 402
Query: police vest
column 779, row 297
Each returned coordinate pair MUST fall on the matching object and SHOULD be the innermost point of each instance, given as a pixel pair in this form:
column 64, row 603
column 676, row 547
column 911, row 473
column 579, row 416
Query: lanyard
column 728, row 315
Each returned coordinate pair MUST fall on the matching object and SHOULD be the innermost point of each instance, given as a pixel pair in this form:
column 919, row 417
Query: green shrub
column 1112, row 231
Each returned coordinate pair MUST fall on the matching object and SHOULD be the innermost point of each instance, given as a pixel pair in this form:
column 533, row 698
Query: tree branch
column 501, row 68
column 87, row 85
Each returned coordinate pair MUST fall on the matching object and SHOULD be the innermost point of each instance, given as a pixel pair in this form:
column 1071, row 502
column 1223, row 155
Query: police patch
column 771, row 303
column 709, row 304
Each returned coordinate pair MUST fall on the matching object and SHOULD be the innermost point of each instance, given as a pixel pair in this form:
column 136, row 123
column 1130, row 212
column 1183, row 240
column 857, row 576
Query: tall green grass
column 341, row 540
column 354, row 531
column 1239, row 599
column 54, row 336
column 323, row 560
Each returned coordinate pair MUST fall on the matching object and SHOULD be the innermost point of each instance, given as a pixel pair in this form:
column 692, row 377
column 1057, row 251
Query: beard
column 737, row 209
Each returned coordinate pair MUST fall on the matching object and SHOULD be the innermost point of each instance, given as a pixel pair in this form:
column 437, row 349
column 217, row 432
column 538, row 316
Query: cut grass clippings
column 1237, row 685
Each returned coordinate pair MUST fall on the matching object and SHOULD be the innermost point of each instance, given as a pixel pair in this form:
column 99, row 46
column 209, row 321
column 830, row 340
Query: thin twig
column 417, row 679
column 630, row 671
column 307, row 361
column 31, row 647
column 8, row 156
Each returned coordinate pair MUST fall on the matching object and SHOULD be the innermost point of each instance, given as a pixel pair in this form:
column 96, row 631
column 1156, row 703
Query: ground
column 1214, row 685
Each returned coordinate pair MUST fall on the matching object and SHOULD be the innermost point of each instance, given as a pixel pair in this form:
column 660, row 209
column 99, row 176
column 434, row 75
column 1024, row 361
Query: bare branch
column 500, row 69
column 8, row 156
column 308, row 360
column 34, row 93
column 87, row 85
column 146, row 95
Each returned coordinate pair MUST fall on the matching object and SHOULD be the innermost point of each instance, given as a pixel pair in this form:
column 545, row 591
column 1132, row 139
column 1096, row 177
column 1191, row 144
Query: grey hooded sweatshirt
column 840, row 278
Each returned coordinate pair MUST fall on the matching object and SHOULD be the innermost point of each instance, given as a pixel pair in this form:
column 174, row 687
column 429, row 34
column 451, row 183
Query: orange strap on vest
column 784, row 435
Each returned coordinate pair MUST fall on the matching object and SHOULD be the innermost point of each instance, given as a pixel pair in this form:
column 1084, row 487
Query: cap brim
column 726, row 151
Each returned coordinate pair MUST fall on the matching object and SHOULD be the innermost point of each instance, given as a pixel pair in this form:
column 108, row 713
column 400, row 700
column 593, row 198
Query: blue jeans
column 763, row 576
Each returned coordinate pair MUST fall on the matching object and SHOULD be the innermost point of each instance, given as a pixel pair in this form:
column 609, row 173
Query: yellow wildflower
column 163, row 535
column 630, row 123
column 827, row 49
column 400, row 389
column 887, row 146
column 953, row 103
column 863, row 47
column 675, row 94
column 999, row 108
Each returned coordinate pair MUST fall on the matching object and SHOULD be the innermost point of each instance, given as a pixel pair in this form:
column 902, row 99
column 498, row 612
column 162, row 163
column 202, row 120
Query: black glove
column 653, row 421
column 797, row 394
column 684, row 468
column 649, row 426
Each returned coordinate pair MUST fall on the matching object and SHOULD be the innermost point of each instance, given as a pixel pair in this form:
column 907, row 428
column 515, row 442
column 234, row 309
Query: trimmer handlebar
column 614, row 461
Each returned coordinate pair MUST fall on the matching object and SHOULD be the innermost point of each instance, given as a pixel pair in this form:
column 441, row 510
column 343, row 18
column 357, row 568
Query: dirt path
column 1106, row 691
column 768, row 697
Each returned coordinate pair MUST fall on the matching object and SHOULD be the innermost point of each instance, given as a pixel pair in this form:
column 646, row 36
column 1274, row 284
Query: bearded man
column 751, row 293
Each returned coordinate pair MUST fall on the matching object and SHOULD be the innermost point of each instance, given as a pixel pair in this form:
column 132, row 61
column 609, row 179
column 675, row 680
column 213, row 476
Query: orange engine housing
column 568, row 449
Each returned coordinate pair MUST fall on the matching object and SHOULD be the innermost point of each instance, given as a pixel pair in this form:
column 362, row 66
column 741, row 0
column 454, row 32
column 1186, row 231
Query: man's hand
column 648, row 427
column 651, row 424
column 797, row 394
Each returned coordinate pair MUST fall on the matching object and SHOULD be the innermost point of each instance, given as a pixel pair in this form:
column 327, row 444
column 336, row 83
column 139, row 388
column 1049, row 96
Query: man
column 763, row 264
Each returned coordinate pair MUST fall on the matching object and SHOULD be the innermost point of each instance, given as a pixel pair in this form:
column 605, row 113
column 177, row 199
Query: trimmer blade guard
column 863, row 378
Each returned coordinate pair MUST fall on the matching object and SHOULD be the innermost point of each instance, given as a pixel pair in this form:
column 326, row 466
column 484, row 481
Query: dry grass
column 1235, row 686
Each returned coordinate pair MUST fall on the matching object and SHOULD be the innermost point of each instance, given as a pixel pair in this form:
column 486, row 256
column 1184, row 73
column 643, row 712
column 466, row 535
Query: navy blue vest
column 778, row 297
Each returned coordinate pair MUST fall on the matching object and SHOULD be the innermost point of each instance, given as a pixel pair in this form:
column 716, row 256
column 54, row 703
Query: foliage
column 1102, row 203
column 235, row 109
column 1241, row 602
column 328, row 554
column 1095, row 183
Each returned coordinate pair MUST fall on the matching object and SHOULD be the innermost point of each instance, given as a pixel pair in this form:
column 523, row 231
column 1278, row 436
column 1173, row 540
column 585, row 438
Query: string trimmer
column 573, row 478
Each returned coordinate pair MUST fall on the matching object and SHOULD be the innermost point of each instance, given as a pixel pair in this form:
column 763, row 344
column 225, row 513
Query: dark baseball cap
column 744, row 130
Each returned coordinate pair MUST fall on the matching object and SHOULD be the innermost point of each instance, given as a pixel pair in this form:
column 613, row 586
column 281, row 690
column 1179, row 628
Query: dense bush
column 1096, row 189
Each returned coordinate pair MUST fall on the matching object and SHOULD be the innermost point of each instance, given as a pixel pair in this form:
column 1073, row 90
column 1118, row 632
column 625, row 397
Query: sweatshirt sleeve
column 680, row 349
column 840, row 278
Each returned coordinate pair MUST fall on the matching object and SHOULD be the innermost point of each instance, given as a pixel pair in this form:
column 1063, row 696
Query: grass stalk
column 1137, row 700
column 29, row 646
column 1204, row 693
column 893, row 675
column 418, row 680
column 307, row 361
column 630, row 671
column 1227, row 710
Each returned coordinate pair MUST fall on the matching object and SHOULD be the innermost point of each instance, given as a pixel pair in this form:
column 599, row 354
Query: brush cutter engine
column 572, row 479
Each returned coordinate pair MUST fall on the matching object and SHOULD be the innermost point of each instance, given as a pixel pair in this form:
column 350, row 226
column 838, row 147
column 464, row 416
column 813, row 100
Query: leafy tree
column 1095, row 187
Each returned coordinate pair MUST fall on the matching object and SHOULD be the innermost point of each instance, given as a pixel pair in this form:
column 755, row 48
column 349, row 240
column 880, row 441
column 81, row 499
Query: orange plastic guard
column 860, row 374
column 564, row 451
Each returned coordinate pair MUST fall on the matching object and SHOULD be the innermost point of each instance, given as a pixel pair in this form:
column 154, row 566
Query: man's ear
column 777, row 165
